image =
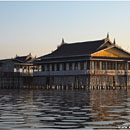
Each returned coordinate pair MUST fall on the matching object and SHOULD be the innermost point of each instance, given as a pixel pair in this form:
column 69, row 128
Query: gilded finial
column 62, row 41
column 108, row 35
column 114, row 42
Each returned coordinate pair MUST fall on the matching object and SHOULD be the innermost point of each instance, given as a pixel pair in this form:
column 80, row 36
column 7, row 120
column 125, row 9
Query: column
column 85, row 65
column 67, row 66
column 38, row 68
column 45, row 67
column 19, row 68
column 92, row 65
column 78, row 65
column 22, row 69
column 100, row 65
column 28, row 69
column 95, row 65
column 33, row 69
column 106, row 66
column 73, row 64
column 55, row 67
column 61, row 67
column 50, row 67
column 116, row 65
column 127, row 66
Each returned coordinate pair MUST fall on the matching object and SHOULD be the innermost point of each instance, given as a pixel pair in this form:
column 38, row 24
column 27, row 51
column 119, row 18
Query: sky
column 38, row 27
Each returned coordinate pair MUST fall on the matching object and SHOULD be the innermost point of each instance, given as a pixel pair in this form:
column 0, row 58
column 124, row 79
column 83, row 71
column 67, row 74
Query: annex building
column 100, row 63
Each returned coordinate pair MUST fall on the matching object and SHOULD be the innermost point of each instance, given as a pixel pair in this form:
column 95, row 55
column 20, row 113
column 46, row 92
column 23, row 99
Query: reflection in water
column 58, row 109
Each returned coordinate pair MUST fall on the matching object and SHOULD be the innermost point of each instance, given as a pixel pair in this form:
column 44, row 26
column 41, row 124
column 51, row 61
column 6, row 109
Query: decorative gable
column 112, row 52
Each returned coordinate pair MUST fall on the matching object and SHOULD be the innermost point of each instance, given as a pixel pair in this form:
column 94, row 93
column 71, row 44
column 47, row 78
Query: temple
column 97, row 63
column 91, row 64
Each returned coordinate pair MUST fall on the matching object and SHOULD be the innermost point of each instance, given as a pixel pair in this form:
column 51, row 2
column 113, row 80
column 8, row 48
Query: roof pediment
column 112, row 51
column 23, row 59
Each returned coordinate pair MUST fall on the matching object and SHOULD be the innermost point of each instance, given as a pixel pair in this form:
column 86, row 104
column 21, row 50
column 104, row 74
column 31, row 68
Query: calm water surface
column 64, row 109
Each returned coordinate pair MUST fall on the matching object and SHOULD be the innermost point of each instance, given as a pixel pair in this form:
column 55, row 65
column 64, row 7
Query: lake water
column 64, row 109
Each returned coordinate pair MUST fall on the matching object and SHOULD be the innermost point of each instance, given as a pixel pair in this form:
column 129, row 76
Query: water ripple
column 51, row 109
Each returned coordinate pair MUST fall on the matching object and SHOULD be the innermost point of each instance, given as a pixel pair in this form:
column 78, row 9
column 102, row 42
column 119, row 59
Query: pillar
column 55, row 67
column 85, row 65
column 45, row 67
column 19, row 68
column 127, row 67
column 116, row 69
column 100, row 65
column 116, row 65
column 23, row 69
column 106, row 65
column 33, row 67
column 61, row 67
column 95, row 65
column 38, row 68
column 73, row 64
column 67, row 66
column 92, row 65
column 50, row 67
column 78, row 65
column 28, row 69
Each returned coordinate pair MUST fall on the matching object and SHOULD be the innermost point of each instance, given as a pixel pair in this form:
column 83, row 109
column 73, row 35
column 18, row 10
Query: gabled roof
column 24, row 59
column 6, row 60
column 79, row 48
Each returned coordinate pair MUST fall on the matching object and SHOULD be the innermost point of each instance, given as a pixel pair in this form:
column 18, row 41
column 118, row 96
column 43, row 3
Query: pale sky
column 38, row 27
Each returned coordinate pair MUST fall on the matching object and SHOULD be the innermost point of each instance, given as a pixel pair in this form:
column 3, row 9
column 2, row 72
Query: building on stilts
column 100, row 63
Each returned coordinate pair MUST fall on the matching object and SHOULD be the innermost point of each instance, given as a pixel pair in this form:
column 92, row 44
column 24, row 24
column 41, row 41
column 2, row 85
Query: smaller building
column 21, row 64
column 24, row 64
column 7, row 65
column 16, row 72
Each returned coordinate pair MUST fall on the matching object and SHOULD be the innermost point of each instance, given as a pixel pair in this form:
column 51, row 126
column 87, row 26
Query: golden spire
column 108, row 35
column 62, row 41
column 114, row 42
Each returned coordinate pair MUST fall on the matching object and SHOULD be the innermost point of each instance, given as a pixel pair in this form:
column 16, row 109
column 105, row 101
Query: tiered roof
column 80, row 48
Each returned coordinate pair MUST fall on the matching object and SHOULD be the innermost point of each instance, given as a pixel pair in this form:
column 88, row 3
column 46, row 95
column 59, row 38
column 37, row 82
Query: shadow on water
column 64, row 109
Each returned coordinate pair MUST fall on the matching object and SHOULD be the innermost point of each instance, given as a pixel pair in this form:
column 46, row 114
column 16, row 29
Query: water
column 64, row 109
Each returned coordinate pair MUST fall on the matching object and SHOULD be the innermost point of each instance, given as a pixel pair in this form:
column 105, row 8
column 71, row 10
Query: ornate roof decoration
column 82, row 48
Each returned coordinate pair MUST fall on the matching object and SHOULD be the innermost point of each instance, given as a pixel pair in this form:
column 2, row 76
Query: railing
column 112, row 72
column 83, row 72
column 26, row 74
column 75, row 72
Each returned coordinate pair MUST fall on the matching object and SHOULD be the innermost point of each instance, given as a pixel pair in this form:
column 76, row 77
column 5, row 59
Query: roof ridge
column 83, row 42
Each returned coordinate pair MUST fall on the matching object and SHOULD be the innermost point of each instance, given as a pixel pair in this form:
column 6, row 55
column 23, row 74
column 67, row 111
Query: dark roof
column 21, row 58
column 6, row 60
column 73, row 49
column 24, row 59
